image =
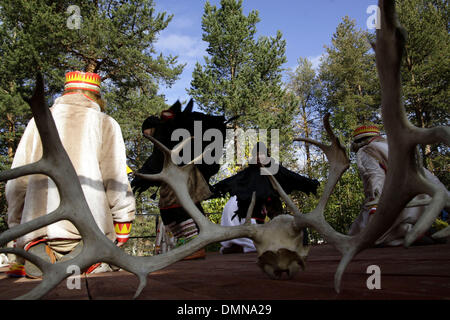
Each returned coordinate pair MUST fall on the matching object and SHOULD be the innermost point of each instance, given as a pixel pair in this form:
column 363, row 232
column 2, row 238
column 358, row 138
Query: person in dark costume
column 249, row 180
column 173, row 215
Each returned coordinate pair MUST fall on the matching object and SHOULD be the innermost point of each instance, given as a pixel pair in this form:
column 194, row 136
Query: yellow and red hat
column 83, row 81
column 122, row 230
column 366, row 131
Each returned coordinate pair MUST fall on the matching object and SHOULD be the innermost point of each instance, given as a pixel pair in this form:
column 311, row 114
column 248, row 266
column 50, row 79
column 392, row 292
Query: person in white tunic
column 94, row 143
column 230, row 219
column 372, row 160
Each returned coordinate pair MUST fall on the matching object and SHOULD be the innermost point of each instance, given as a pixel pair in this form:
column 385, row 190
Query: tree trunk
column 236, row 146
column 426, row 149
column 12, row 131
column 91, row 67
column 307, row 133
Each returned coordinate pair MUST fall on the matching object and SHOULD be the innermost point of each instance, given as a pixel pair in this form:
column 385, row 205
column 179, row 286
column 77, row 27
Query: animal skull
column 280, row 247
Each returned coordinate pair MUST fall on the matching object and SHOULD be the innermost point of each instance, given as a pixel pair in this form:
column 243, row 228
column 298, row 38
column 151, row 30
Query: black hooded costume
column 173, row 214
column 244, row 183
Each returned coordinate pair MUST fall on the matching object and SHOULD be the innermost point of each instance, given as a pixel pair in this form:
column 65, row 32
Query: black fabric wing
column 291, row 181
column 244, row 183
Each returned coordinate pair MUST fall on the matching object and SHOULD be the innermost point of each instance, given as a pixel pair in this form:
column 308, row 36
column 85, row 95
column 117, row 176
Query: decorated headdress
column 366, row 131
column 77, row 80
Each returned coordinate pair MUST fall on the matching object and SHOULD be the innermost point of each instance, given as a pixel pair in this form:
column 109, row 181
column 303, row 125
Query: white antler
column 56, row 164
column 405, row 178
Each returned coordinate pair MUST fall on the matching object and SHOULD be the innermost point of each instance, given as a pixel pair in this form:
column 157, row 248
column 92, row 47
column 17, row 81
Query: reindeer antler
column 56, row 164
column 405, row 178
column 339, row 163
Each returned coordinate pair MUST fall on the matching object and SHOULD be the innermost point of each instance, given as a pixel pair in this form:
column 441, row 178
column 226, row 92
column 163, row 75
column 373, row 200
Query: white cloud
column 180, row 22
column 189, row 50
column 316, row 61
column 186, row 47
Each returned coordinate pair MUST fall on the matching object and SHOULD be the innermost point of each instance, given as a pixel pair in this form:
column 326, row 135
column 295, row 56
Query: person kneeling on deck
column 372, row 159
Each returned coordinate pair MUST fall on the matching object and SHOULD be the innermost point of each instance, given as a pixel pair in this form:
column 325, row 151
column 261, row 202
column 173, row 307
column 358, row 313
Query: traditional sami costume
column 94, row 143
column 372, row 160
column 173, row 215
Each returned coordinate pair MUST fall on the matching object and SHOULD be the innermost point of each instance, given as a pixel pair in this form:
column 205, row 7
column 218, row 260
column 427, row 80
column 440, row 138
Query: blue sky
column 307, row 26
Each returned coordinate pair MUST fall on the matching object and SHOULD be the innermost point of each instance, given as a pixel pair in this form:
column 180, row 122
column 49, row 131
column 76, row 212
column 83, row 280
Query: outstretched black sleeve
column 244, row 183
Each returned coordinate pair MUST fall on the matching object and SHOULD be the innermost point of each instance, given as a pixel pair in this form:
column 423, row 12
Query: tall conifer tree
column 242, row 75
column 113, row 38
column 349, row 79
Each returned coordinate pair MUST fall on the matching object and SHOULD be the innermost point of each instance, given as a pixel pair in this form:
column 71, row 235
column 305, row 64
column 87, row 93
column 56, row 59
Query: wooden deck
column 420, row 272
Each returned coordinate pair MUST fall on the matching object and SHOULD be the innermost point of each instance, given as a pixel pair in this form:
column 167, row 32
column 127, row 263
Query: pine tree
column 349, row 79
column 347, row 87
column 112, row 38
column 305, row 85
column 242, row 75
column 426, row 71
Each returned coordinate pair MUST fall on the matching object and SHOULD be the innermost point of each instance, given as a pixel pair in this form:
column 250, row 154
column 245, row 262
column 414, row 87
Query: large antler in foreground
column 56, row 164
column 405, row 178
column 404, row 181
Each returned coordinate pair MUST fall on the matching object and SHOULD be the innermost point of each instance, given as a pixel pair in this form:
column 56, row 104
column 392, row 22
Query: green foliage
column 115, row 39
column 426, row 68
column 304, row 84
column 348, row 75
column 143, row 226
column 344, row 204
column 346, row 86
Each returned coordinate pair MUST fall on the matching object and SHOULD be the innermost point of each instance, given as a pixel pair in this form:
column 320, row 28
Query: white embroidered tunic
column 372, row 165
column 94, row 143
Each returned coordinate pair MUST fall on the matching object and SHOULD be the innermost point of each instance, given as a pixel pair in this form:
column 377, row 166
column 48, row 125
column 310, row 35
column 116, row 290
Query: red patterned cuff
column 16, row 270
column 122, row 230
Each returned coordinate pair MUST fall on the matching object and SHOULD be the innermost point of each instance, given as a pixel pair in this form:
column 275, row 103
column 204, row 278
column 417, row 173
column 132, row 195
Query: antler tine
column 199, row 157
column 337, row 158
column 153, row 177
column 32, row 225
column 250, row 209
column 39, row 262
column 311, row 141
column 177, row 178
column 182, row 144
column 142, row 285
column 276, row 185
column 339, row 162
column 159, row 145
column 427, row 136
column 28, row 169
column 439, row 199
column 444, row 233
